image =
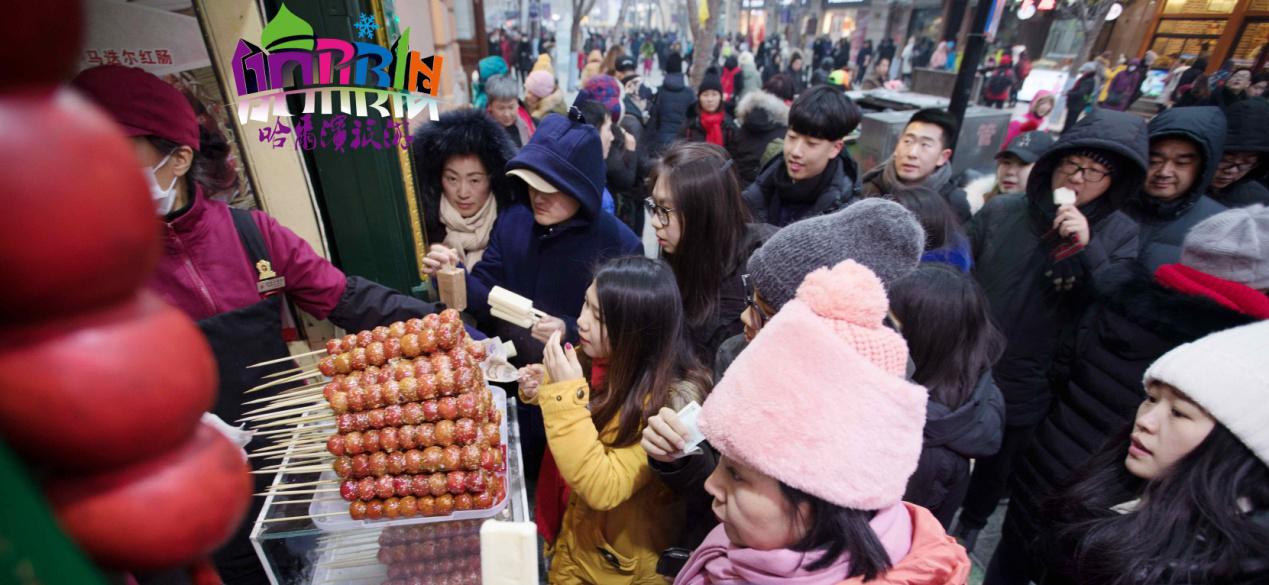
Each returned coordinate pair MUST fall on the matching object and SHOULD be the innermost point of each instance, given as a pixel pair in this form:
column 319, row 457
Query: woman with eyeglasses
column 700, row 223
column 1036, row 255
column 1240, row 175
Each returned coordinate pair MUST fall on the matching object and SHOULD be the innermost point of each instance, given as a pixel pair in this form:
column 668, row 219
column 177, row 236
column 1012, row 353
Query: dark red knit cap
column 141, row 103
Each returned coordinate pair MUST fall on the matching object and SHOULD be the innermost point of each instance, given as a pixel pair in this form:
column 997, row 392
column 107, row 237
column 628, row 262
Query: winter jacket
column 1163, row 224
column 464, row 131
column 1014, row 265
column 874, row 183
column 1247, row 120
column 619, row 516
column 669, row 112
column 763, row 117
column 551, row 104
column 836, row 189
column 934, row 558
column 550, row 265
column 752, row 80
column 693, row 131
column 204, row 271
column 951, row 438
column 1133, row 322
column 731, row 297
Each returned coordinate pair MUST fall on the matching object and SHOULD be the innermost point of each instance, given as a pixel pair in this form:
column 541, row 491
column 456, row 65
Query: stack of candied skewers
column 406, row 423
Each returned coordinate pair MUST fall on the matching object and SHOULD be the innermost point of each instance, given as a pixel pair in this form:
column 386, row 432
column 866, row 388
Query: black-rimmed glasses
column 661, row 213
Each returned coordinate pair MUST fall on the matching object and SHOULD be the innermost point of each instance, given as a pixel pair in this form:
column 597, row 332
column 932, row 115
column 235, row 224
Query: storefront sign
column 363, row 77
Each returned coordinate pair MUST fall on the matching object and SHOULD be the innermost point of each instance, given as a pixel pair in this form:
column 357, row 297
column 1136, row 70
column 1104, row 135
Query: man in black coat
column 1185, row 144
column 1036, row 261
column 669, row 111
column 763, row 119
column 1137, row 317
column 1245, row 163
column 922, row 157
column 816, row 175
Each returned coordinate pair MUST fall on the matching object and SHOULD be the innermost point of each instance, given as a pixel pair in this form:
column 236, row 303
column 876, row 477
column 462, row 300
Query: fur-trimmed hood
column 464, row 131
column 551, row 104
column 978, row 190
column 760, row 111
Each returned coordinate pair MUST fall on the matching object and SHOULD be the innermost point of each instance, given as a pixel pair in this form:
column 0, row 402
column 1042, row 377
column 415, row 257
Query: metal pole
column 973, row 55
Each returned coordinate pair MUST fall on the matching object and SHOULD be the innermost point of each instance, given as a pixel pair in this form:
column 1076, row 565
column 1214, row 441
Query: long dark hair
column 839, row 531
column 712, row 216
column 1193, row 525
column 943, row 316
column 648, row 349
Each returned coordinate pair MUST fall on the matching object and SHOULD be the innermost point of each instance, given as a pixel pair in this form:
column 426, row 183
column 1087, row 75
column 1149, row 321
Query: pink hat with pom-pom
column 819, row 401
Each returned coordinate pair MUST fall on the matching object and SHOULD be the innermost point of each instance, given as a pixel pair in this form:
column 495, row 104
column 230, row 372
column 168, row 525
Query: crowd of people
column 881, row 356
column 877, row 357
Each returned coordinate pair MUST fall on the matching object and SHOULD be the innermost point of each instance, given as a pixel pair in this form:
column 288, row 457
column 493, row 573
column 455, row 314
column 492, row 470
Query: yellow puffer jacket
column 619, row 516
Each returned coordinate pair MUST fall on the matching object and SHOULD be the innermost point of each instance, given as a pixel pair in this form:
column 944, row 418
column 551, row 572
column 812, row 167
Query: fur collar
column 1173, row 316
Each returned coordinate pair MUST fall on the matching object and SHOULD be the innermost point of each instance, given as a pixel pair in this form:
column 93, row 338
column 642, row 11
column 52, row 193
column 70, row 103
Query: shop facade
column 1221, row 30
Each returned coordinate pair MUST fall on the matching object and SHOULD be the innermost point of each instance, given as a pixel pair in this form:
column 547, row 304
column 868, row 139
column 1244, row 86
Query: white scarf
column 469, row 236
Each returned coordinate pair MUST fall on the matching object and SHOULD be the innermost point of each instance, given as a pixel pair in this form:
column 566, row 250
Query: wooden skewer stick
column 306, row 516
column 303, row 484
column 312, row 445
column 358, row 561
column 308, row 460
column 305, row 391
column 315, row 456
column 289, row 357
column 297, row 432
column 305, row 441
column 295, row 378
column 315, row 399
column 294, row 470
column 282, row 453
column 280, row 373
column 296, row 421
column 297, row 492
column 352, row 547
column 284, row 502
column 278, row 414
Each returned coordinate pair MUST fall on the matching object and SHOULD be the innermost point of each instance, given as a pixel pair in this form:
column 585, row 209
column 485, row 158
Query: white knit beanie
column 1226, row 373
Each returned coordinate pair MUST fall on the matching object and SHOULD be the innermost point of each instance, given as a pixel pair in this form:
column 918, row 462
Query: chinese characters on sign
column 339, row 133
column 128, row 57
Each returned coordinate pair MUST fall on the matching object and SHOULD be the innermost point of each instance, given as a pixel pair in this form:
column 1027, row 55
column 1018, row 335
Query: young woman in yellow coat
column 619, row 516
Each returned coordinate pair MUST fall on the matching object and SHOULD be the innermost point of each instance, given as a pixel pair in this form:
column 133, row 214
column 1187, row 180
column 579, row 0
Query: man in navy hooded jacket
column 547, row 246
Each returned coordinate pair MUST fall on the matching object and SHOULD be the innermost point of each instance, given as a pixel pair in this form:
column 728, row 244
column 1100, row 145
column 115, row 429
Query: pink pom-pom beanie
column 819, row 401
column 540, row 83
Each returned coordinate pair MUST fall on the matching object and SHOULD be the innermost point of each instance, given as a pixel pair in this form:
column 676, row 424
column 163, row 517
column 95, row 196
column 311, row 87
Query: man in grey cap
column 877, row 233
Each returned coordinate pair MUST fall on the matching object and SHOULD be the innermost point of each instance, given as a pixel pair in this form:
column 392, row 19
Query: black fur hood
column 465, row 131
column 1175, row 317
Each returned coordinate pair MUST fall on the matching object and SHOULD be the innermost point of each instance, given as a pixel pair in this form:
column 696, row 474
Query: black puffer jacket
column 951, row 439
column 1248, row 121
column 763, row 117
column 1135, row 321
column 1013, row 264
column 464, row 131
column 669, row 113
column 836, row 188
column 1162, row 225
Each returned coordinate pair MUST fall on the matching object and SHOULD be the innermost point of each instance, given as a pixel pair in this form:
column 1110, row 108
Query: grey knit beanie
column 1233, row 245
column 878, row 233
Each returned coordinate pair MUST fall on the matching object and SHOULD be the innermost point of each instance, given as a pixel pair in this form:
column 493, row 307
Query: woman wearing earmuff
column 228, row 269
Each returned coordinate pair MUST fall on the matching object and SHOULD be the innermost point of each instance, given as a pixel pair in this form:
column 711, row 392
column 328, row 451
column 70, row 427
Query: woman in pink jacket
column 228, row 269
column 1034, row 119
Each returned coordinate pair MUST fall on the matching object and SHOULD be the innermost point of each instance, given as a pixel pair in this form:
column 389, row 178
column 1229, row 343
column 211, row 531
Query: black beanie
column 674, row 64
column 711, row 81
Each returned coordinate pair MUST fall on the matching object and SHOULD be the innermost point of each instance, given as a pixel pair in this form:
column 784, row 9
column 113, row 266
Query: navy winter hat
column 673, row 64
column 567, row 153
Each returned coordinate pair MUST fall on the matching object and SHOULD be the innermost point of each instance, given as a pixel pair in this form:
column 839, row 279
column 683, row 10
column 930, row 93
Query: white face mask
column 163, row 198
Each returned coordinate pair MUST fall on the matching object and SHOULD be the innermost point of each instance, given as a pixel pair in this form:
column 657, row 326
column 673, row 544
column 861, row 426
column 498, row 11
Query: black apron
column 239, row 338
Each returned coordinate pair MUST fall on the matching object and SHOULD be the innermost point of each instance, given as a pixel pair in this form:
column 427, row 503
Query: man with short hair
column 1243, row 166
column 922, row 157
column 1185, row 144
column 816, row 175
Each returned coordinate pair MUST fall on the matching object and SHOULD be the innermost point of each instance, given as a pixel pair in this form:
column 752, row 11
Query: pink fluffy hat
column 818, row 399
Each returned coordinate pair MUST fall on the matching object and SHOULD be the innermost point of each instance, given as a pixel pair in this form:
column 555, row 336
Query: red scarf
column 551, row 498
column 713, row 125
column 1231, row 295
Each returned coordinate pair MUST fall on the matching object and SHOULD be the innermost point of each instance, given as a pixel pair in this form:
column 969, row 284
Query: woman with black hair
column 459, row 162
column 942, row 314
column 619, row 518
column 700, row 224
column 1182, row 496
column 945, row 242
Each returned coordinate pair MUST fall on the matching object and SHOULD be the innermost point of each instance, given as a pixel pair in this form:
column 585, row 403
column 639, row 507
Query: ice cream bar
column 1063, row 196
column 513, row 308
column 508, row 553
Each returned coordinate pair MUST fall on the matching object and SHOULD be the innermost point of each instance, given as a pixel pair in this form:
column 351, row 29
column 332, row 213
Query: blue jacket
column 552, row 266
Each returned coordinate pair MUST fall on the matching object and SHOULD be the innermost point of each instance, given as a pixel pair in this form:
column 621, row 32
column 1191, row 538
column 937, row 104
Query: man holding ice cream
column 1036, row 255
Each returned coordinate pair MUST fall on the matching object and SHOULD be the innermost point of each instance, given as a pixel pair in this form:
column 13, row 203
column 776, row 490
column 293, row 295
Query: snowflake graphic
column 366, row 26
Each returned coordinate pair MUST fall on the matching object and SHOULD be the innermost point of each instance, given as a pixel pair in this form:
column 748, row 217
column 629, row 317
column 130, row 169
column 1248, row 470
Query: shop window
column 1199, row 6
column 1065, row 39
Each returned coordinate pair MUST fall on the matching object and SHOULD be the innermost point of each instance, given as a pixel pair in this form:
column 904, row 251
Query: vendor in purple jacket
column 228, row 269
column 546, row 247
